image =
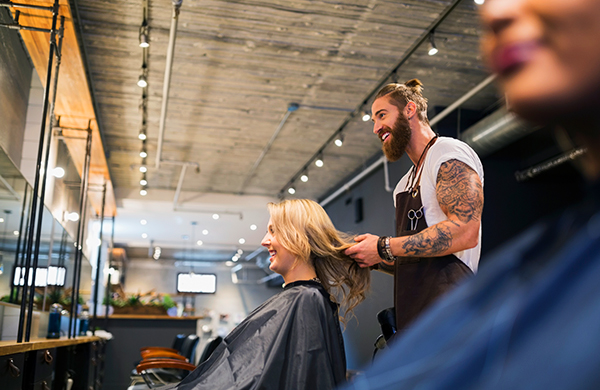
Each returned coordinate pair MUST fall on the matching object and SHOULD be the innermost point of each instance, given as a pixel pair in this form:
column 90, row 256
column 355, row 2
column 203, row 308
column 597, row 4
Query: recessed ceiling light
column 143, row 222
column 253, row 227
column 2, row 220
column 16, row 232
column 143, row 192
column 242, row 241
column 215, row 216
column 205, row 232
column 144, row 235
column 143, row 169
column 199, row 242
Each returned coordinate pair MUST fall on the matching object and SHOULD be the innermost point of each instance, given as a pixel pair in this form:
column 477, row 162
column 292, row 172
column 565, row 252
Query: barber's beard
column 399, row 138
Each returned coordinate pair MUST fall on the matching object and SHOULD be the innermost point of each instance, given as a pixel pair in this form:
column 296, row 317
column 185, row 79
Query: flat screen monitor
column 196, row 283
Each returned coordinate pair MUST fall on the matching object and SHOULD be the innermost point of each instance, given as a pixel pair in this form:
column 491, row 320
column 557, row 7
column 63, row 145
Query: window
column 196, row 283
column 51, row 276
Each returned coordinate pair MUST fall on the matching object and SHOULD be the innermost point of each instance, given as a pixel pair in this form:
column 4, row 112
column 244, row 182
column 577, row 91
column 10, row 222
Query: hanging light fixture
column 319, row 161
column 366, row 115
column 432, row 47
column 142, row 82
column 292, row 190
column 144, row 191
column 339, row 141
column 143, row 79
column 304, row 177
column 144, row 41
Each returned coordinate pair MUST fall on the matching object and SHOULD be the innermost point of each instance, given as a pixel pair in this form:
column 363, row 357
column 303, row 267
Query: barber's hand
column 365, row 251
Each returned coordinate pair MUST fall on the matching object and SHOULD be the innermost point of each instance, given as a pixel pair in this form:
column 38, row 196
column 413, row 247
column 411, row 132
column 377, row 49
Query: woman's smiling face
column 282, row 260
column 545, row 53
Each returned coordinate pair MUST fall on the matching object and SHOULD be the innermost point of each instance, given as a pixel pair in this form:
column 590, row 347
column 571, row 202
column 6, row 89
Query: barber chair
column 167, row 373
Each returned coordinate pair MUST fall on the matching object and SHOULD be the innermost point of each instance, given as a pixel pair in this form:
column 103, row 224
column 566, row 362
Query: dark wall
column 15, row 79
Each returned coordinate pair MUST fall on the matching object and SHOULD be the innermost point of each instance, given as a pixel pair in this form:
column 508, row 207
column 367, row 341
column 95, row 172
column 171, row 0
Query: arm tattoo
column 429, row 242
column 459, row 191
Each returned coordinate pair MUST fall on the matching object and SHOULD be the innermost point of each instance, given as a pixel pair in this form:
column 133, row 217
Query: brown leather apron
column 419, row 281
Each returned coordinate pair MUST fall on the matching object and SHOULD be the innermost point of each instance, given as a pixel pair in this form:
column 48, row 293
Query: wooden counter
column 9, row 347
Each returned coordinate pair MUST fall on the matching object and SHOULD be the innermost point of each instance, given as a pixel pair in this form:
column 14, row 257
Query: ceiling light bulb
column 2, row 220
column 215, row 216
column 304, row 178
column 143, row 192
column 144, row 40
column 143, row 154
column 253, row 227
column 292, row 190
column 199, row 242
column 144, row 235
column 205, row 232
column 143, row 169
column 366, row 116
column 16, row 232
column 339, row 141
column 142, row 83
column 143, row 222
column 242, row 241
column 142, row 136
column 480, row 2
column 58, row 172
column 432, row 48
column 319, row 162
column 143, row 182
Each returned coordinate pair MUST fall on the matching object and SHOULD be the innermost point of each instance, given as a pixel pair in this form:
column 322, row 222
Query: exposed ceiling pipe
column 495, row 132
column 291, row 108
column 167, row 79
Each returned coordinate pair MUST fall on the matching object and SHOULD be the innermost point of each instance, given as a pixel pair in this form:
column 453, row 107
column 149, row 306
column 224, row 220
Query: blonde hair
column 304, row 229
column 410, row 91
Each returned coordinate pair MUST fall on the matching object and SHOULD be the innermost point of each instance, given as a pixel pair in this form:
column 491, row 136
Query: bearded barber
column 438, row 205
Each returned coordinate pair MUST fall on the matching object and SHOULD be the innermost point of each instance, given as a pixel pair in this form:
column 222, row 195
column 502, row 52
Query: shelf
column 10, row 347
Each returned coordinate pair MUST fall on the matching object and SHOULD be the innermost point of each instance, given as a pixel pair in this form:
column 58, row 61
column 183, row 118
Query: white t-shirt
column 442, row 150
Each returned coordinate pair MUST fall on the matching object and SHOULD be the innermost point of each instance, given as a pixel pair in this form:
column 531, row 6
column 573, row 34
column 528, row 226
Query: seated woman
column 293, row 340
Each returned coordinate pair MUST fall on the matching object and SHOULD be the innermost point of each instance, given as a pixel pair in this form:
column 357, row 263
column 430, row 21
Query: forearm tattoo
column 429, row 242
column 459, row 191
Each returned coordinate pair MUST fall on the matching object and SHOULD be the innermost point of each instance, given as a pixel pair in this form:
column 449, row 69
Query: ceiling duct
column 495, row 131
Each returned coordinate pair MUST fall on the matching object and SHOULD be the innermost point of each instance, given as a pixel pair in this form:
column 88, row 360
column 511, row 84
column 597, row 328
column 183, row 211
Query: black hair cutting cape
column 292, row 341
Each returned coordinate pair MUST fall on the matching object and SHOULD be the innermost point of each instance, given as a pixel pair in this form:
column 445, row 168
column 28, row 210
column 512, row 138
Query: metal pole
column 36, row 182
column 108, row 282
column 44, row 176
column 97, row 281
column 80, row 230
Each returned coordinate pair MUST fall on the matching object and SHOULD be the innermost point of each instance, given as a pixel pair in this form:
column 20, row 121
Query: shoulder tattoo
column 459, row 191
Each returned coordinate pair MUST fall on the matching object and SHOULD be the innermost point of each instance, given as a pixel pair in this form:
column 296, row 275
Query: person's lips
column 384, row 135
column 508, row 58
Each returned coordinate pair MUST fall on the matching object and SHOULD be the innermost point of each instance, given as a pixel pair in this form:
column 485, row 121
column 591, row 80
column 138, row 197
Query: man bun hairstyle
column 410, row 91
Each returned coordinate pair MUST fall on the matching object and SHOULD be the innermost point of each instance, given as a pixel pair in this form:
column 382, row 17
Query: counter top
column 9, row 347
column 148, row 317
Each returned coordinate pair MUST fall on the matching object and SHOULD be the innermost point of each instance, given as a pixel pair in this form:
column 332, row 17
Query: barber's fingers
column 361, row 237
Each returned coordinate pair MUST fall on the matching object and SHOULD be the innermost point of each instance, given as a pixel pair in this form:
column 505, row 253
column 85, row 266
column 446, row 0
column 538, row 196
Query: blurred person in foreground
column 293, row 340
column 531, row 317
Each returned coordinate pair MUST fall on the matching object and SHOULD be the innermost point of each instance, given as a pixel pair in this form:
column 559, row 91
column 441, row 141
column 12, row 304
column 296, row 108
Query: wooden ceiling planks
column 74, row 104
column 239, row 63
